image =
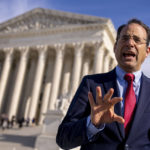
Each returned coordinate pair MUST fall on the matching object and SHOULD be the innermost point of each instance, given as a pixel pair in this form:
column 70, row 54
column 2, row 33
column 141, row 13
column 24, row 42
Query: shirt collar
column 120, row 74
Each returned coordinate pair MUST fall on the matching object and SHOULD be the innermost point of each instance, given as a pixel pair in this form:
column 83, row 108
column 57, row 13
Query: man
column 108, row 111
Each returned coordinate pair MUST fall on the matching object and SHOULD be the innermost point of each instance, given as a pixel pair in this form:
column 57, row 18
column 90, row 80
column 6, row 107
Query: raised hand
column 102, row 111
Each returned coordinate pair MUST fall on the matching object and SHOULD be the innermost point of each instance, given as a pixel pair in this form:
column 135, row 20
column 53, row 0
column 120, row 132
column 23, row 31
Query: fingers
column 118, row 119
column 104, row 108
column 116, row 100
column 108, row 95
column 98, row 95
column 91, row 99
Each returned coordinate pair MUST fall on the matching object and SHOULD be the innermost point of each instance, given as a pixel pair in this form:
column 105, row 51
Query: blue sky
column 119, row 11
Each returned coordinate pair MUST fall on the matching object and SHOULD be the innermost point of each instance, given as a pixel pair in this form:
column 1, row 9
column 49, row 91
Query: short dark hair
column 136, row 21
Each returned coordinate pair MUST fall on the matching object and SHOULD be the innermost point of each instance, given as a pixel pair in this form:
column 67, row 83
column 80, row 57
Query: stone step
column 19, row 138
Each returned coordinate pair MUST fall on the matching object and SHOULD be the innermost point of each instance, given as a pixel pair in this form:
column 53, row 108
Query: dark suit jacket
column 72, row 131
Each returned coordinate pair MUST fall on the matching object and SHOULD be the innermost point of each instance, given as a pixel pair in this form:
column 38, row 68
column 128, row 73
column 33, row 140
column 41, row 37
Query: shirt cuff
column 91, row 129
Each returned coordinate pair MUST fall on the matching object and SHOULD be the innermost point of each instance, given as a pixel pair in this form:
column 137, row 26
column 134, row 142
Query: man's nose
column 130, row 42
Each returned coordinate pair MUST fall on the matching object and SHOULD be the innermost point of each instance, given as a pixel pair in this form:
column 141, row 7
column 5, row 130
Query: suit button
column 126, row 147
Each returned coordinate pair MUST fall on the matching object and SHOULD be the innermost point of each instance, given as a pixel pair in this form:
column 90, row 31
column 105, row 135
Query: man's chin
column 130, row 64
column 129, row 67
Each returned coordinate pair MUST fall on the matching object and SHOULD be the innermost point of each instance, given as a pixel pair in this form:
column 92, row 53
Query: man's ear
column 148, row 51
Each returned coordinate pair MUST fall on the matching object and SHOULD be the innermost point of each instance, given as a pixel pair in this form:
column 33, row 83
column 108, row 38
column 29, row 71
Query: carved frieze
column 45, row 19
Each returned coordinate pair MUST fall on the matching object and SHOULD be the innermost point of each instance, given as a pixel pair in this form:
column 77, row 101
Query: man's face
column 130, row 49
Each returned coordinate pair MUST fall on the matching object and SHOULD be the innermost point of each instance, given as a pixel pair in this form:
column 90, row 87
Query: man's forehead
column 134, row 29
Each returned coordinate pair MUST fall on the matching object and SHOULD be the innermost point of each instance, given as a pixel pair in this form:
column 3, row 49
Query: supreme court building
column 43, row 56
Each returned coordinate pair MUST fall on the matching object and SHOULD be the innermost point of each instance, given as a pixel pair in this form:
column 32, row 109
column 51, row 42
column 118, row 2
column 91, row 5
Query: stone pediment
column 38, row 19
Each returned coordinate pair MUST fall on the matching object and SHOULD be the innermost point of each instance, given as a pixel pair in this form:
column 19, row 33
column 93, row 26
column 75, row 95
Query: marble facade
column 43, row 56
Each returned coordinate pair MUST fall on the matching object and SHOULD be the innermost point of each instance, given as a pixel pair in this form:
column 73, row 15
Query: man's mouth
column 129, row 55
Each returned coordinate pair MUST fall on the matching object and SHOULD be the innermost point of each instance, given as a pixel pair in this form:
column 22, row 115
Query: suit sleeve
column 72, row 131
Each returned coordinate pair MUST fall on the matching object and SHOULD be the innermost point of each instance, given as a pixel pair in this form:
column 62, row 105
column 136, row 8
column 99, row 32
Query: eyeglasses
column 135, row 38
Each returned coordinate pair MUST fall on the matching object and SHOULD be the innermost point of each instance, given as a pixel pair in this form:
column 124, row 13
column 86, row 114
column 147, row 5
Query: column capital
column 78, row 49
column 42, row 48
column 60, row 50
column 59, row 46
column 24, row 50
column 98, row 44
column 9, row 50
column 78, row 45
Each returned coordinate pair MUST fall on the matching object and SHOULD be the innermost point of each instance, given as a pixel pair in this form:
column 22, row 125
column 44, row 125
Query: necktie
column 130, row 101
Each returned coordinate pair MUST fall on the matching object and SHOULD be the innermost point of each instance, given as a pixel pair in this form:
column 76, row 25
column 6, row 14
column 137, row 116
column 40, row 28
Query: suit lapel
column 142, row 103
column 111, row 83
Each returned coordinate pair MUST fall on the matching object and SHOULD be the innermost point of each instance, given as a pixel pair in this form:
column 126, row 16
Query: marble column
column 66, row 76
column 77, row 64
column 29, row 87
column 86, row 64
column 19, row 82
column 27, row 106
column 5, row 73
column 106, row 62
column 38, row 80
column 98, row 58
column 57, row 75
column 2, row 58
column 47, row 89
